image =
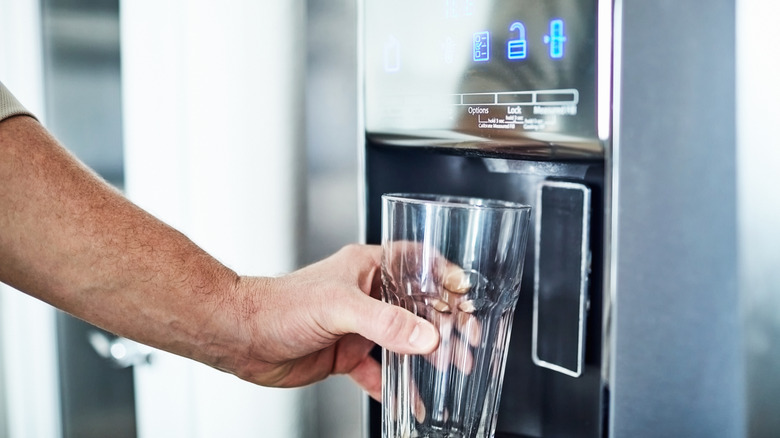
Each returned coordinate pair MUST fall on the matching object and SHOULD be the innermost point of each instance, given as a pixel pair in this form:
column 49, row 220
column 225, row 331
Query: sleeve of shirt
column 9, row 106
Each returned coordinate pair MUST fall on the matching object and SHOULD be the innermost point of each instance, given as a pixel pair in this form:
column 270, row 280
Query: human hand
column 419, row 278
column 323, row 319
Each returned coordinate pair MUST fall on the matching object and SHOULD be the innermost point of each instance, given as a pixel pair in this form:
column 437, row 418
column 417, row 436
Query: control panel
column 510, row 75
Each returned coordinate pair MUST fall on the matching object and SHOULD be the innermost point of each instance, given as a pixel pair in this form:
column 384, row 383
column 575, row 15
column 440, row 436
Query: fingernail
column 423, row 337
column 457, row 281
column 440, row 306
column 419, row 410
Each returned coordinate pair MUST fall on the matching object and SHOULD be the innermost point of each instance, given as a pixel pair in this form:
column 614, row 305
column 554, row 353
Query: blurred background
column 237, row 122
column 66, row 61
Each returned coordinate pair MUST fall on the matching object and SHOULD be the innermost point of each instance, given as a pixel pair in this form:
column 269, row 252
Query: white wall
column 213, row 122
column 28, row 361
column 758, row 161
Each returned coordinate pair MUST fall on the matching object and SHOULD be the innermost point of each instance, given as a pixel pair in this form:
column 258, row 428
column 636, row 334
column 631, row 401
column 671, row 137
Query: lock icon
column 517, row 49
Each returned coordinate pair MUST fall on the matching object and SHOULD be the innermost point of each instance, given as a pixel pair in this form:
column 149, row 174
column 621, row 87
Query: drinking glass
column 457, row 262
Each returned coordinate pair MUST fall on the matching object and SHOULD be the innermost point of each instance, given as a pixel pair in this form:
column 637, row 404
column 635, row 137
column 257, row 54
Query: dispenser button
column 561, row 268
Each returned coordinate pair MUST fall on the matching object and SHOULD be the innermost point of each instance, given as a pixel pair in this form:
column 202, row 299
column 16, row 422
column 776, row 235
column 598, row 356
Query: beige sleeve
column 9, row 106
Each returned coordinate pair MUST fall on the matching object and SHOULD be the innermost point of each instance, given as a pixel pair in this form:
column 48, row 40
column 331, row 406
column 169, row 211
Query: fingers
column 368, row 375
column 362, row 313
column 470, row 329
column 391, row 327
column 366, row 260
column 418, row 406
column 456, row 279
column 454, row 345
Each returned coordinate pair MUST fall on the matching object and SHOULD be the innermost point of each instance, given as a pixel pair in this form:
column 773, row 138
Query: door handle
column 120, row 352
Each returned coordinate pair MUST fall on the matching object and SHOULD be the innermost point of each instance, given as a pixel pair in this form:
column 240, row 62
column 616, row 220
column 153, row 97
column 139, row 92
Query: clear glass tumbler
column 457, row 262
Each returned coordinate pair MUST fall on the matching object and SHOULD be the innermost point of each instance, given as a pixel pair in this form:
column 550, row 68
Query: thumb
column 392, row 327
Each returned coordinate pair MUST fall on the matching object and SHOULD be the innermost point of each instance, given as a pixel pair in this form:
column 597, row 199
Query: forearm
column 69, row 239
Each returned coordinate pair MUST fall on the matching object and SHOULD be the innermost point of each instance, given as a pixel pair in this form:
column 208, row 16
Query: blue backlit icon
column 392, row 54
column 458, row 8
column 481, row 46
column 468, row 8
column 556, row 39
column 518, row 48
column 450, row 8
column 448, row 49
